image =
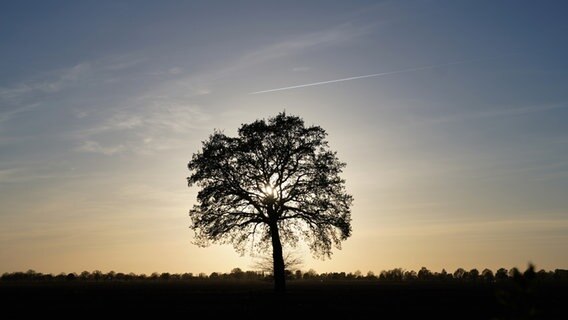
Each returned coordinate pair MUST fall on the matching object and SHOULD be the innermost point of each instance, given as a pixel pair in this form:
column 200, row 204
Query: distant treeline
column 397, row 274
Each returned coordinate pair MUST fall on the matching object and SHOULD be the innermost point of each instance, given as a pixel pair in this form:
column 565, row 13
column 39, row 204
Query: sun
column 268, row 190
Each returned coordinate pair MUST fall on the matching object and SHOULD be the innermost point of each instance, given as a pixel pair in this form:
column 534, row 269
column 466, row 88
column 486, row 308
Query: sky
column 451, row 116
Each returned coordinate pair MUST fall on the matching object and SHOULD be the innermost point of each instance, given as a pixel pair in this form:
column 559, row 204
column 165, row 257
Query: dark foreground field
column 337, row 299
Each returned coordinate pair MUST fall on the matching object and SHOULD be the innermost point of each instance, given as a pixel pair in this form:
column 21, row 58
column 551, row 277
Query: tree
column 85, row 275
column 311, row 274
column 237, row 273
column 487, row 275
column 501, row 274
column 444, row 275
column 97, row 275
column 276, row 182
column 473, row 274
column 460, row 273
column 410, row 275
column 424, row 274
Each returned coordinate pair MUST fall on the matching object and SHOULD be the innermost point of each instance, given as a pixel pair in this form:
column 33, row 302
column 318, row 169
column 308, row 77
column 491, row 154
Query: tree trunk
column 278, row 259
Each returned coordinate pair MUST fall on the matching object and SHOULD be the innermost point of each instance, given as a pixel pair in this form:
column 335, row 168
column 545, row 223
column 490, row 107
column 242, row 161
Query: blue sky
column 461, row 162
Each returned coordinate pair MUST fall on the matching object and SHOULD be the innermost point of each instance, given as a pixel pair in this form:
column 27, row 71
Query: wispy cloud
column 521, row 227
column 40, row 85
column 156, row 115
column 34, row 170
column 175, row 70
column 121, row 62
column 9, row 114
column 32, row 94
column 159, row 118
column 292, row 45
column 144, row 127
column 55, row 81
column 516, row 111
column 332, row 36
column 171, row 71
column 8, row 174
column 95, row 147
column 301, row 69
column 493, row 113
column 153, row 114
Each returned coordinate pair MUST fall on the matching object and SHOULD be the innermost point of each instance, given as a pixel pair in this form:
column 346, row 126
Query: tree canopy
column 277, row 181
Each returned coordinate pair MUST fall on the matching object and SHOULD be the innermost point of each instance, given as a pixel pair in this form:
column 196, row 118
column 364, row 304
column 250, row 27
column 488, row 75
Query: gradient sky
column 457, row 156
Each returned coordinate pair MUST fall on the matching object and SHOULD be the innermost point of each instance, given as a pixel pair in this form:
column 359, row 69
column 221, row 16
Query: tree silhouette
column 473, row 274
column 460, row 273
column 424, row 274
column 501, row 274
column 277, row 181
column 487, row 275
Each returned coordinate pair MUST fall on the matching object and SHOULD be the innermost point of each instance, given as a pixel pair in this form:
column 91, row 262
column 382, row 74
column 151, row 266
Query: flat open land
column 358, row 299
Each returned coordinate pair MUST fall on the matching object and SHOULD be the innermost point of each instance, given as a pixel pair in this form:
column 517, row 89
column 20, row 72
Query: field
column 358, row 299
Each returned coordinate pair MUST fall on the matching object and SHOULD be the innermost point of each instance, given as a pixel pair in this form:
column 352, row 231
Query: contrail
column 373, row 75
